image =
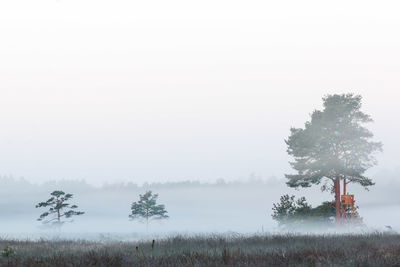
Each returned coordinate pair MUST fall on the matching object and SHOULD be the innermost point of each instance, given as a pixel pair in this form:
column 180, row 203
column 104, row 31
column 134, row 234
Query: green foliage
column 8, row 252
column 294, row 212
column 147, row 208
column 58, row 208
column 334, row 144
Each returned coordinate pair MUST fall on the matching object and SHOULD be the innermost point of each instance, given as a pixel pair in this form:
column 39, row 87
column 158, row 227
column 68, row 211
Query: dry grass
column 267, row 250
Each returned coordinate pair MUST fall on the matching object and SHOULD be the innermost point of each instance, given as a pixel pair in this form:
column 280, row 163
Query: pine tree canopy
column 58, row 208
column 147, row 208
column 334, row 144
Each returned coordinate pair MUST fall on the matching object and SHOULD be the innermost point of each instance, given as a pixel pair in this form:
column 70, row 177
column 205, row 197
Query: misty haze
column 199, row 134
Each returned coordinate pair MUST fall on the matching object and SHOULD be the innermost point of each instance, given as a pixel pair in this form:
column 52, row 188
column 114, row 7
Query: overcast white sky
column 174, row 90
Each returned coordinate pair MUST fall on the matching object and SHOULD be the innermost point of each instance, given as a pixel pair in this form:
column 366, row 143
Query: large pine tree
column 333, row 145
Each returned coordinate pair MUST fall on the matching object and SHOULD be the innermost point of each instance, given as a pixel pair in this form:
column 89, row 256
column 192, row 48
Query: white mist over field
column 166, row 91
column 239, row 207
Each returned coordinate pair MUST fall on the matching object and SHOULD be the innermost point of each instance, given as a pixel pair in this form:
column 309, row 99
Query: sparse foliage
column 58, row 208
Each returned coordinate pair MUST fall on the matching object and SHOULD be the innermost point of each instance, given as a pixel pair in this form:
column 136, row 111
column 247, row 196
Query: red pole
column 337, row 199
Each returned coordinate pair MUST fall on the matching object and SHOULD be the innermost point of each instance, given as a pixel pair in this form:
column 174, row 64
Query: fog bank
column 193, row 207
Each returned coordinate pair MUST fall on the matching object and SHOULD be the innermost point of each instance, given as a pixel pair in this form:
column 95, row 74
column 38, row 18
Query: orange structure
column 348, row 210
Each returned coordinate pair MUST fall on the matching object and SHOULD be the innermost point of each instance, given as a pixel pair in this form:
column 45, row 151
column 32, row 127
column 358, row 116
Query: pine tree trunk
column 337, row 199
column 147, row 222
column 344, row 186
column 58, row 212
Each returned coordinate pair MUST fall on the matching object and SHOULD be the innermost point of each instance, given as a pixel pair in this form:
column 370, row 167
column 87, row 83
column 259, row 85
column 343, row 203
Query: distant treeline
column 10, row 181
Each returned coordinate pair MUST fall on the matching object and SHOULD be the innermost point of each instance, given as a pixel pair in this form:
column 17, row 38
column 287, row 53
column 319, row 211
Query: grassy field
column 235, row 250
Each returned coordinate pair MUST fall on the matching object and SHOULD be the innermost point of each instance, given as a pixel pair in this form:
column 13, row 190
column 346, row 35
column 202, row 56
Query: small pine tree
column 147, row 208
column 58, row 208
